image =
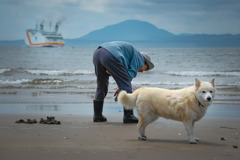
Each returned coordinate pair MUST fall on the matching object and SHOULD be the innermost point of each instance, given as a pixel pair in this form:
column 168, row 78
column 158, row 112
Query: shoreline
column 224, row 111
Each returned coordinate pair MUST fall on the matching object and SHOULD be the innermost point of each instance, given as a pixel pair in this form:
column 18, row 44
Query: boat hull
column 37, row 39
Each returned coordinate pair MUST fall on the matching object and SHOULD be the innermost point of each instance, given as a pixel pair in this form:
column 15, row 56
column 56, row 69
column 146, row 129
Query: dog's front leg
column 189, row 128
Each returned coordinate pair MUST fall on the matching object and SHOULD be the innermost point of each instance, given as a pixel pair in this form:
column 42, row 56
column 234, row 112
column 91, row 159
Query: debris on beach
column 49, row 120
column 28, row 121
column 223, row 138
column 235, row 146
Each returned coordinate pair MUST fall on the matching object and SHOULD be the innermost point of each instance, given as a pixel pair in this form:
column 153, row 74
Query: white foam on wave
column 3, row 70
column 30, row 81
column 44, row 72
column 83, row 72
column 44, row 81
column 59, row 72
column 14, row 82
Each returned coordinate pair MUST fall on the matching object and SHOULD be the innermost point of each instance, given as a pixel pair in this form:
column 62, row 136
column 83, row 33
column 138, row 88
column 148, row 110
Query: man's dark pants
column 105, row 61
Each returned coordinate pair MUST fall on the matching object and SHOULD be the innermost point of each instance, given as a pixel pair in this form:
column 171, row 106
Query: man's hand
column 108, row 72
column 116, row 95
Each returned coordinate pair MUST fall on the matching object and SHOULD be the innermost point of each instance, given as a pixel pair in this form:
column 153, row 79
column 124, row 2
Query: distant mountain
column 144, row 34
column 130, row 30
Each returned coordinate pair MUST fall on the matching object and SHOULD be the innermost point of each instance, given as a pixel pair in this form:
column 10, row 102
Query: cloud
column 83, row 16
column 94, row 5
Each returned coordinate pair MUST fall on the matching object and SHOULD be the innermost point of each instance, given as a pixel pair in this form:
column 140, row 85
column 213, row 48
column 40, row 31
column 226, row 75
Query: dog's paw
column 142, row 138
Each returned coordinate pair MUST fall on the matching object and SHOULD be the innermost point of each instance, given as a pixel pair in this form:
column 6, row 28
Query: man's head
column 147, row 61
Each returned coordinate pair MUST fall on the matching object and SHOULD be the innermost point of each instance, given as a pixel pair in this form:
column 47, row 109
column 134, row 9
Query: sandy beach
column 79, row 138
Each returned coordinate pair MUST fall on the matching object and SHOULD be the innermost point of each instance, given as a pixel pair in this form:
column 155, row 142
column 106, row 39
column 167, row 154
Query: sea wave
column 43, row 81
column 162, row 83
column 186, row 83
column 60, row 72
column 46, row 81
column 65, row 72
column 14, row 82
column 4, row 70
column 29, row 81
column 203, row 73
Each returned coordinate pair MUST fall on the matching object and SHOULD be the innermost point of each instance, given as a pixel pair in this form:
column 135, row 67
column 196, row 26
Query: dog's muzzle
column 209, row 99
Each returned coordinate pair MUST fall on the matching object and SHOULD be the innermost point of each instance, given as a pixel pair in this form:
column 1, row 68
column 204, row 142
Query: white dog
column 187, row 105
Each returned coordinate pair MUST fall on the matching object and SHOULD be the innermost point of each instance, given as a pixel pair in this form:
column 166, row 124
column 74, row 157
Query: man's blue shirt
column 127, row 55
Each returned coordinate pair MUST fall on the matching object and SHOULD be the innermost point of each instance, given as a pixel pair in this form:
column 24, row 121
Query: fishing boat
column 39, row 37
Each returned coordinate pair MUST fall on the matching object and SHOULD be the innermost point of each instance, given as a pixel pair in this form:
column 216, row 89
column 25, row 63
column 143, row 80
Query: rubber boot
column 129, row 117
column 98, row 107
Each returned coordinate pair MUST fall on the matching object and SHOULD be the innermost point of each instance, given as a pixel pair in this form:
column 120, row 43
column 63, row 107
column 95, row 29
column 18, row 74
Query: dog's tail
column 127, row 100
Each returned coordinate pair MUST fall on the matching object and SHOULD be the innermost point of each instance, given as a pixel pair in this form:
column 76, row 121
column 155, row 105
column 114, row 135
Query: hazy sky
column 83, row 16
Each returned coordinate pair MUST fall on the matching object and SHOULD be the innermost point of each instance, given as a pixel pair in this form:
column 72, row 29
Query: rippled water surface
column 66, row 75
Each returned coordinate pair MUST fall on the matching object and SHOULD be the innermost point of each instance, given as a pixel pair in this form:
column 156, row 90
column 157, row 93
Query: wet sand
column 79, row 138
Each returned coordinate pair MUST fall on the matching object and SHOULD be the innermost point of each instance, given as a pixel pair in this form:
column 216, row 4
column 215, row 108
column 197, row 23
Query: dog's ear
column 212, row 81
column 197, row 83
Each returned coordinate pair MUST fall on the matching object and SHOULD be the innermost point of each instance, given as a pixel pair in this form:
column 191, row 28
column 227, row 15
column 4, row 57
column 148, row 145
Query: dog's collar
column 199, row 103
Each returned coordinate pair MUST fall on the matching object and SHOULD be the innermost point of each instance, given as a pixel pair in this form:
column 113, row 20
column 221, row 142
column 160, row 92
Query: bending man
column 121, row 61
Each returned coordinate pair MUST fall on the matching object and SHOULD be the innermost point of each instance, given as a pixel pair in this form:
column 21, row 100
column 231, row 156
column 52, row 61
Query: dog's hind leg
column 142, row 124
column 141, row 128
column 189, row 128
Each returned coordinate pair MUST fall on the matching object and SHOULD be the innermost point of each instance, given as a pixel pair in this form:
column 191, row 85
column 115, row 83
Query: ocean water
column 66, row 75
